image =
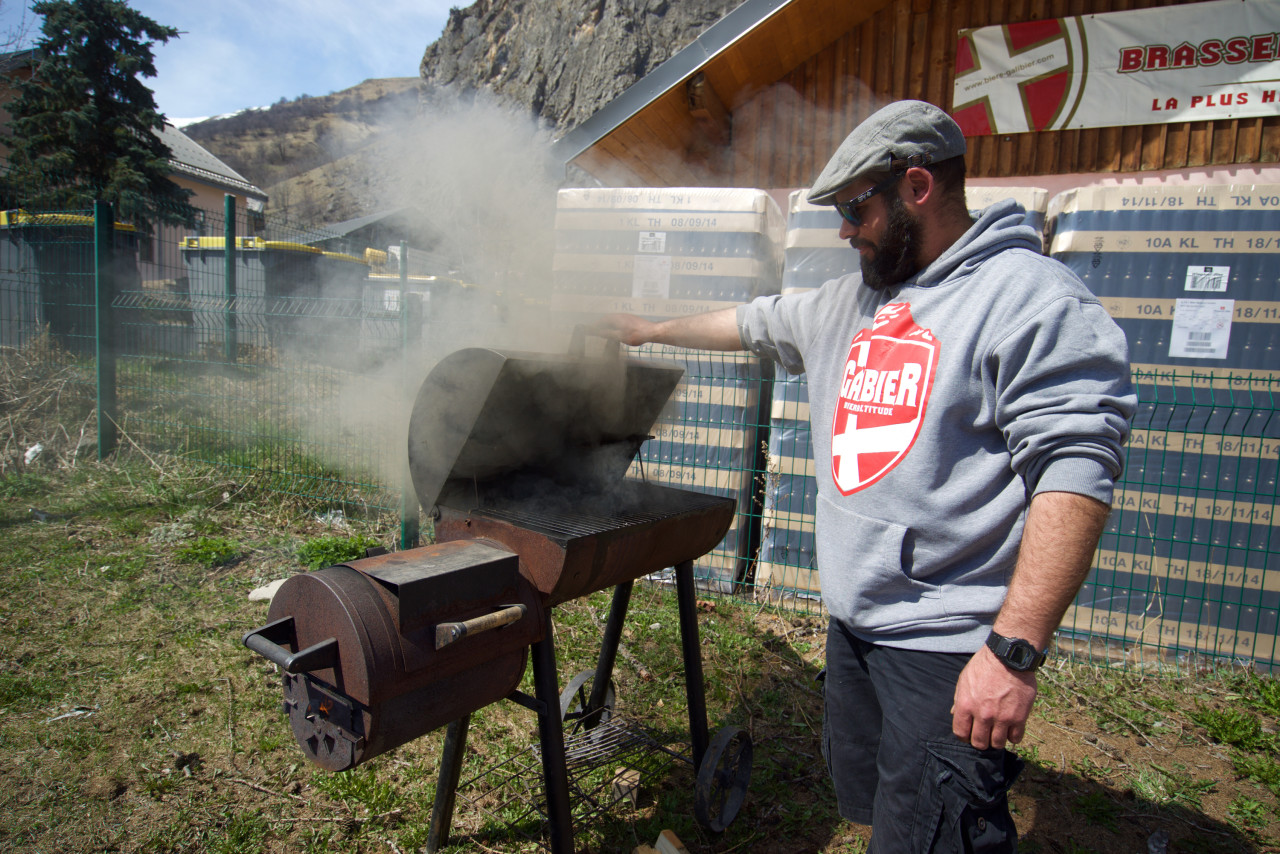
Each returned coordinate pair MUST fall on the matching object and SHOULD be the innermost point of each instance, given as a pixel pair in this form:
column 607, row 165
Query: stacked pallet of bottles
column 1188, row 562
column 1034, row 201
column 668, row 252
column 788, row 567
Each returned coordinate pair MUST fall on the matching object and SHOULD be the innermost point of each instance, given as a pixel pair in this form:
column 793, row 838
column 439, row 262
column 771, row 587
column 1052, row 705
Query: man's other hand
column 992, row 702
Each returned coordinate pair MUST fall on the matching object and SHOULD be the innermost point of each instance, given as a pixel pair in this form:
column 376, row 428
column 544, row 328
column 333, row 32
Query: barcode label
column 1199, row 341
column 651, row 277
column 1207, row 279
column 653, row 241
column 1201, row 328
column 648, row 288
column 1206, row 282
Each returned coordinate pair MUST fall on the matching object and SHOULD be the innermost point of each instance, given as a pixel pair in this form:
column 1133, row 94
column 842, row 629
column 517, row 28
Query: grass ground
column 131, row 718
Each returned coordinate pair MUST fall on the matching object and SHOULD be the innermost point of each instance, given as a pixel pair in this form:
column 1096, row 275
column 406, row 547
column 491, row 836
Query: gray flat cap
column 913, row 132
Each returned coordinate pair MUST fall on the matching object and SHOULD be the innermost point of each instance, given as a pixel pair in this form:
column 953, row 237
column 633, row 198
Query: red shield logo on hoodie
column 884, row 393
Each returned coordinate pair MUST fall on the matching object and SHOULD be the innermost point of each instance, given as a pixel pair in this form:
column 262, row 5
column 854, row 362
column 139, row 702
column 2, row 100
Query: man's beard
column 896, row 259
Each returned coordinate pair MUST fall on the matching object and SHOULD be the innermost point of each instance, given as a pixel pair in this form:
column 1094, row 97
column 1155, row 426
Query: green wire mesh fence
column 244, row 359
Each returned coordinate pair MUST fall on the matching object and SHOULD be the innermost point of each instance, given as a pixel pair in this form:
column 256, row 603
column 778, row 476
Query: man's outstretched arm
column 716, row 330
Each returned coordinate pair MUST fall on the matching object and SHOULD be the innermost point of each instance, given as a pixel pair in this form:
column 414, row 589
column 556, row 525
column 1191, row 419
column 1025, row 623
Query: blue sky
column 234, row 54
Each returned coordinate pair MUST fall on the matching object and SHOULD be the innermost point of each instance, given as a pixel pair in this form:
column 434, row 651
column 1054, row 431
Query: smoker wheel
column 723, row 779
column 576, row 696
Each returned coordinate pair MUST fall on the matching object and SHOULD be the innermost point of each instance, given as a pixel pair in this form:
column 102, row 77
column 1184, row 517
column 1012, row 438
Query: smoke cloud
column 478, row 184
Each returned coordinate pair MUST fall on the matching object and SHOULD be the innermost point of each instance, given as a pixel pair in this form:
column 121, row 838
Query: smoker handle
column 447, row 633
column 267, row 641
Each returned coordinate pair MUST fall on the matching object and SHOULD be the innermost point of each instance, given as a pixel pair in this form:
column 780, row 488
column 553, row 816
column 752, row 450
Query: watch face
column 1021, row 655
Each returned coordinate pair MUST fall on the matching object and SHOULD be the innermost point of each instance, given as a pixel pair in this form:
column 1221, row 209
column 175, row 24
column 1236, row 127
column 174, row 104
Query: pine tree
column 84, row 126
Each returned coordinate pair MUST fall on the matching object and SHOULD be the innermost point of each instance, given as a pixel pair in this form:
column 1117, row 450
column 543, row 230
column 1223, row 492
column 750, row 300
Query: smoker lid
column 488, row 419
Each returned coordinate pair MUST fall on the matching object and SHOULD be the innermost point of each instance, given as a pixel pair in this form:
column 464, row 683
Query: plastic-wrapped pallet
column 813, row 250
column 668, row 252
column 1033, row 199
column 664, row 252
column 1189, row 273
column 788, row 564
column 788, row 568
column 708, row 440
column 1205, row 254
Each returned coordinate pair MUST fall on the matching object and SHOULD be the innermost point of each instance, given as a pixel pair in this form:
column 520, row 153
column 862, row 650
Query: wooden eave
column 650, row 136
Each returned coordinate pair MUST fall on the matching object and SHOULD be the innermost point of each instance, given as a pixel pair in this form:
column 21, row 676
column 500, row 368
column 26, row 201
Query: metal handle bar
column 267, row 642
column 447, row 633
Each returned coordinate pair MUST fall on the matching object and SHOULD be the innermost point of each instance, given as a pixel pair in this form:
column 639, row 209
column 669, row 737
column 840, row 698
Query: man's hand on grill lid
column 627, row 328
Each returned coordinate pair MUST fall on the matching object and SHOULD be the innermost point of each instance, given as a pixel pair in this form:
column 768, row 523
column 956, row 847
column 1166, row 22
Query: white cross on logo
column 995, row 80
column 889, row 438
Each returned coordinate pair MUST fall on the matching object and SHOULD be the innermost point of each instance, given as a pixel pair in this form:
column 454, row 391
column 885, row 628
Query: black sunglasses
column 849, row 209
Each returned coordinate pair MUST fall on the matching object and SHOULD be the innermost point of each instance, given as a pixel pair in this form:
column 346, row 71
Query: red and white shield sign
column 884, row 392
column 1017, row 78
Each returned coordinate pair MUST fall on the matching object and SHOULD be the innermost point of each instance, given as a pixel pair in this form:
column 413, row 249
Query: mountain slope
column 274, row 146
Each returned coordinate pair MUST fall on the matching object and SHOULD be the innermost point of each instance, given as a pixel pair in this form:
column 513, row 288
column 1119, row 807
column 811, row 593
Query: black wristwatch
column 1015, row 653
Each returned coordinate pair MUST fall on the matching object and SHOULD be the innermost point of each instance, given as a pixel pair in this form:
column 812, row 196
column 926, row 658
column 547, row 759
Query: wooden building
column 764, row 96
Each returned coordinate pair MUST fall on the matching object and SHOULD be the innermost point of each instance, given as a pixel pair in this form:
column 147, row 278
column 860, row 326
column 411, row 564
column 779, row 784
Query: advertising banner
column 1194, row 62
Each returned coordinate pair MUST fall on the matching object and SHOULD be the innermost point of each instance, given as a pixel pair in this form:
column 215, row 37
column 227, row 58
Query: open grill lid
column 502, row 425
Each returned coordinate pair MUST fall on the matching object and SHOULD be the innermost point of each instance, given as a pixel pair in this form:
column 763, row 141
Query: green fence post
column 409, row 530
column 229, row 278
column 103, row 329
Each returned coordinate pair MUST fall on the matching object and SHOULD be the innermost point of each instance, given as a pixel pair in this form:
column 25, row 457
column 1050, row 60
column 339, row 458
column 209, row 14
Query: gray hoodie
column 939, row 407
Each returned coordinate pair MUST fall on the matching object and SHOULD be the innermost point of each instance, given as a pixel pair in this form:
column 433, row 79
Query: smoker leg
column 555, row 770
column 692, row 650
column 609, row 650
column 455, row 743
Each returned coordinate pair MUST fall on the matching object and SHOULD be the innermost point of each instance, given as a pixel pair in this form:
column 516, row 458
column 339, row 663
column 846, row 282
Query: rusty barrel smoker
column 520, row 459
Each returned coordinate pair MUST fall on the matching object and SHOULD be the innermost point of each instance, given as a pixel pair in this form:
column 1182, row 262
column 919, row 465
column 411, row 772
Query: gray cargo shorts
column 896, row 765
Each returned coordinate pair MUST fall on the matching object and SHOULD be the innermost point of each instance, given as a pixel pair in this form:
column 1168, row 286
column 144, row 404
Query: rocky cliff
column 562, row 59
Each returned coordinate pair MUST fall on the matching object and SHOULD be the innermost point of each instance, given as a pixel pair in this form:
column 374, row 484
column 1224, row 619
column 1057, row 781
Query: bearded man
column 969, row 401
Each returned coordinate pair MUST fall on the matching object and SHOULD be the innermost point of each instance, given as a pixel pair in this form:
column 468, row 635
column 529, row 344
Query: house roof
column 745, row 52
column 15, row 60
column 190, row 158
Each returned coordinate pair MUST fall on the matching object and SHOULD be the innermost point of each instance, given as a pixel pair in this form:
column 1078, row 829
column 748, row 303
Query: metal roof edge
column 340, row 229
column 658, row 82
column 221, row 181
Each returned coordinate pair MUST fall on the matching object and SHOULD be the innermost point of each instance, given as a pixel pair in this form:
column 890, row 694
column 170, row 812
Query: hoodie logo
column 884, row 392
